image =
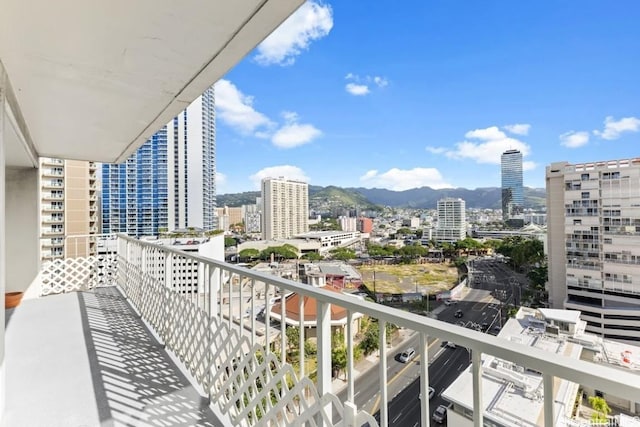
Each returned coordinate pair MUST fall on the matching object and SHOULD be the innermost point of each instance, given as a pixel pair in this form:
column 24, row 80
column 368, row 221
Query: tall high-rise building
column 593, row 226
column 68, row 208
column 512, row 190
column 452, row 220
column 191, row 140
column 169, row 182
column 285, row 208
column 134, row 193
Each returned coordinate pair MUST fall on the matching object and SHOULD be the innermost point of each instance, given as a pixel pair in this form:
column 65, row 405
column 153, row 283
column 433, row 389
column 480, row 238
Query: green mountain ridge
column 327, row 198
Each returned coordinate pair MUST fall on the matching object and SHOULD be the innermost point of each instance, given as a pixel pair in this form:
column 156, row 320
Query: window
column 585, row 195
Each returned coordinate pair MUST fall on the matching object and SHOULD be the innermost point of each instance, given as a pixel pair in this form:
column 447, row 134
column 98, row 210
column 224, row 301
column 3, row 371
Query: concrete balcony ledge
column 86, row 359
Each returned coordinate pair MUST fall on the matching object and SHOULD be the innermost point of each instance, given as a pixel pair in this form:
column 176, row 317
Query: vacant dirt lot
column 429, row 278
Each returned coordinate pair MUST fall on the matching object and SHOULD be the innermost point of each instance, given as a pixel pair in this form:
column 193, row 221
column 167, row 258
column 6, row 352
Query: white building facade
column 452, row 220
column 191, row 159
column 593, row 223
column 285, row 208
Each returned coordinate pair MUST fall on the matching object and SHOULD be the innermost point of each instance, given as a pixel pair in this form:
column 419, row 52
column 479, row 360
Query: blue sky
column 430, row 93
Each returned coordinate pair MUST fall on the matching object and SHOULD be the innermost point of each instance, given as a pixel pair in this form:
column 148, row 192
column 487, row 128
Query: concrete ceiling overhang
column 94, row 80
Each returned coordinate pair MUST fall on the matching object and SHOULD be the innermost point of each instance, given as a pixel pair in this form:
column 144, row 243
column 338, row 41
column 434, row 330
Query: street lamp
column 375, row 295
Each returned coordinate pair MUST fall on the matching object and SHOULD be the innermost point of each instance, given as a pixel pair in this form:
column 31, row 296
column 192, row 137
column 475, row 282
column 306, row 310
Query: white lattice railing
column 182, row 297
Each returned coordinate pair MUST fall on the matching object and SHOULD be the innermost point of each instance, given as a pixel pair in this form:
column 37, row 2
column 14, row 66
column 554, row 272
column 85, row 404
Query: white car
column 440, row 414
column 407, row 355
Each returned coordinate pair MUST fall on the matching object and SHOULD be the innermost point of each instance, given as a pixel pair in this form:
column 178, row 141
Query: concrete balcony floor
column 86, row 359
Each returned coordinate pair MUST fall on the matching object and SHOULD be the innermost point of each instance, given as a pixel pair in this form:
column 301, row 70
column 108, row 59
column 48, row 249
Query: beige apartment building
column 285, row 208
column 68, row 208
column 593, row 229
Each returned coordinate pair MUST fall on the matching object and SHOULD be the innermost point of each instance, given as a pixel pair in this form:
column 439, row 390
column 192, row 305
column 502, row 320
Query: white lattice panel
column 74, row 274
column 248, row 384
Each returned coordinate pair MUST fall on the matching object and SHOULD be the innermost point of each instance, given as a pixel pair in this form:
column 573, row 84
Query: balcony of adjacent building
column 52, row 183
column 52, row 219
column 52, row 231
column 52, row 242
column 131, row 346
column 52, row 172
column 52, row 207
column 46, row 161
column 52, row 195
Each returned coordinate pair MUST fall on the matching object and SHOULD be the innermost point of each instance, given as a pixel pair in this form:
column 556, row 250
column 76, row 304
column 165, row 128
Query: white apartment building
column 191, row 159
column 68, row 207
column 593, row 226
column 348, row 223
column 285, row 208
column 452, row 221
column 513, row 393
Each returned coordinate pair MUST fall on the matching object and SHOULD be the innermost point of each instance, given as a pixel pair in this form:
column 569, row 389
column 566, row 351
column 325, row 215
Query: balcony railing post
column 301, row 337
column 350, row 379
column 323, row 328
column 547, row 383
column 476, row 369
column 384, row 408
column 424, row 380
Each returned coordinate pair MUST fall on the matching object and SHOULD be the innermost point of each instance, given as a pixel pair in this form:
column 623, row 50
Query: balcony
column 102, row 352
column 46, row 231
column 48, row 207
column 52, row 196
column 52, row 219
column 51, row 183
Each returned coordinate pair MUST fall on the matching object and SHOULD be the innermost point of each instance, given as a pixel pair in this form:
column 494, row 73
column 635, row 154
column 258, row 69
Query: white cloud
column 613, row 128
column 236, row 109
column 492, row 143
column 487, row 134
column 294, row 134
column 573, row 139
column 518, row 129
column 312, row 21
column 404, row 179
column 356, row 89
column 359, row 86
column 287, row 171
column 528, row 166
column 435, row 150
column 290, row 116
column 380, row 81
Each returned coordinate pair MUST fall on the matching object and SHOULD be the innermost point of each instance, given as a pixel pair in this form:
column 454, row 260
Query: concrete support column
column 478, row 404
column 3, row 252
column 22, row 227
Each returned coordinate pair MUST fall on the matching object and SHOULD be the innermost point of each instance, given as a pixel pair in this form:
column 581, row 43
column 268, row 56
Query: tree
column 338, row 359
column 312, row 256
column 404, row 231
column 293, row 335
column 343, row 254
column 601, row 408
column 249, row 254
column 370, row 341
column 229, row 241
column 411, row 252
column 279, row 253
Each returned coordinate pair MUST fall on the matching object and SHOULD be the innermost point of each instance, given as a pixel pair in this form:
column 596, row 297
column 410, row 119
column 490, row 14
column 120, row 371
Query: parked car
column 450, row 344
column 458, row 314
column 407, row 355
column 431, row 392
column 450, row 301
column 440, row 414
